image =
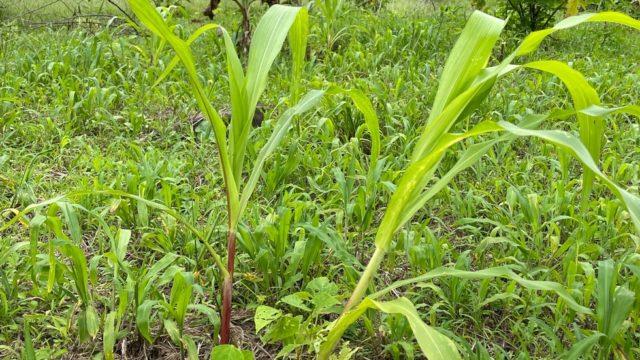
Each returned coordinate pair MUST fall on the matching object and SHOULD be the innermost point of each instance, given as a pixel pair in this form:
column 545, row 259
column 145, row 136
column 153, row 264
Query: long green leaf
column 267, row 42
column 79, row 270
column 584, row 96
column 283, row 124
column 150, row 17
column 466, row 61
column 433, row 344
column 180, row 296
column 28, row 352
column 363, row 104
column 121, row 243
column 467, row 159
column 582, row 347
column 154, row 271
column 176, row 59
column 533, row 40
column 574, row 146
column 467, row 58
column 490, row 273
column 413, row 179
column 371, row 121
column 606, row 286
column 72, row 221
column 623, row 300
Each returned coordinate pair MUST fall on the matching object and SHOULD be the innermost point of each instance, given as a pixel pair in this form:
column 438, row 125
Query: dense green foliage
column 114, row 207
column 530, row 15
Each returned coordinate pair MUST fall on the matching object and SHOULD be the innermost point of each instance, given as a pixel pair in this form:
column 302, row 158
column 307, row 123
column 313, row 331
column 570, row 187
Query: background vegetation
column 112, row 271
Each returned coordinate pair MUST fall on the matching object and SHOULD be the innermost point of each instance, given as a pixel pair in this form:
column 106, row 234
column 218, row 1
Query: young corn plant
column 466, row 81
column 246, row 87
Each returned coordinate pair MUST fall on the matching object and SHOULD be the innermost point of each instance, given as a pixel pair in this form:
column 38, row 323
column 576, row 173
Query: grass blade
column 109, row 336
column 28, row 352
column 298, row 35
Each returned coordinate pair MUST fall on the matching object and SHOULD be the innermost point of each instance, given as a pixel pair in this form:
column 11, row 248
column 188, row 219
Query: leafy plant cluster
column 531, row 15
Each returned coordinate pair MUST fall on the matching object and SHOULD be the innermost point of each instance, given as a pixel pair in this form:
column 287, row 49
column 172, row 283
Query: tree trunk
column 213, row 5
column 245, row 38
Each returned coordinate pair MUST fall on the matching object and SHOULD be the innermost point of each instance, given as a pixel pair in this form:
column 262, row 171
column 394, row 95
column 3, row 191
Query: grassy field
column 97, row 273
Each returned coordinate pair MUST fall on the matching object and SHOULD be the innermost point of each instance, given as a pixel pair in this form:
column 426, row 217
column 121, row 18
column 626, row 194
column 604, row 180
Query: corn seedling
column 246, row 87
column 465, row 82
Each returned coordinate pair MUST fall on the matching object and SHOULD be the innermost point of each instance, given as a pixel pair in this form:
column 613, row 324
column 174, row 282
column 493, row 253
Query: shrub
column 531, row 15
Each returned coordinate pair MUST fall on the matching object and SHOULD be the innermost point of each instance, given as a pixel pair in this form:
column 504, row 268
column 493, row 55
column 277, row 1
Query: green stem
column 354, row 300
column 365, row 279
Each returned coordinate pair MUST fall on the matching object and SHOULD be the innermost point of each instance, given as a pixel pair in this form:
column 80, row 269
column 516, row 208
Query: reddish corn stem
column 227, row 289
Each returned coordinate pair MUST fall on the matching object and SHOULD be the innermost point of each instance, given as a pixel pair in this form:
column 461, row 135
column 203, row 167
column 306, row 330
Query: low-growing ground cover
column 121, row 267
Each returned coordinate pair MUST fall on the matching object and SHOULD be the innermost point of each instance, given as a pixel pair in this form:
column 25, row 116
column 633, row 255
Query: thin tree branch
column 124, row 12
